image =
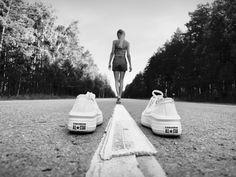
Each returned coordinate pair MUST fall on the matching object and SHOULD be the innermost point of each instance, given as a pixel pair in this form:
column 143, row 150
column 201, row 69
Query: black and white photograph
column 117, row 88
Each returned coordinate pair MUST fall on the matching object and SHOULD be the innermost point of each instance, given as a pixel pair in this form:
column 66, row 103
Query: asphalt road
column 207, row 146
column 35, row 142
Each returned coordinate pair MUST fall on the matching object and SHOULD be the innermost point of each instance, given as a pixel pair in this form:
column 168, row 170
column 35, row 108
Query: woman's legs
column 117, row 84
column 122, row 75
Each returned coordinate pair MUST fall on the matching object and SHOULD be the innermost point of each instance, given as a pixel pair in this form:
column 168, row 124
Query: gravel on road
column 34, row 140
column 207, row 146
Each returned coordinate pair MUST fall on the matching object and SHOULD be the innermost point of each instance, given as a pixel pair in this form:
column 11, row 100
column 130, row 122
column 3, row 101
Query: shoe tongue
column 157, row 93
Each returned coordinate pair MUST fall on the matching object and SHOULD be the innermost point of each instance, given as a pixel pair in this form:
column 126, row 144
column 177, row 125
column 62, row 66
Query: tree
column 39, row 57
column 199, row 64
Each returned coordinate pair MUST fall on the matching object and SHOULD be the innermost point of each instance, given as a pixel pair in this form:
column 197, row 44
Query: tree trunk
column 199, row 91
column 4, row 27
column 210, row 90
column 3, row 84
column 2, row 88
column 1, row 42
column 19, row 86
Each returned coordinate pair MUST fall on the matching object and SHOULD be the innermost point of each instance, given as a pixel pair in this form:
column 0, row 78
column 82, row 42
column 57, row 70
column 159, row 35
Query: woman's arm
column 112, row 54
column 129, row 57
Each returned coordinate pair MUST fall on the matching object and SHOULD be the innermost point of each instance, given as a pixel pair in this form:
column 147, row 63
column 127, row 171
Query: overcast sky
column 147, row 23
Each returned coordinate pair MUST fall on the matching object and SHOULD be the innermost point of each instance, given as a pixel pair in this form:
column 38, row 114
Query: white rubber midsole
column 162, row 127
column 87, row 124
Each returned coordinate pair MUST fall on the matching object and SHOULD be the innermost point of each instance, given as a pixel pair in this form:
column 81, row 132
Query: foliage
column 39, row 57
column 199, row 64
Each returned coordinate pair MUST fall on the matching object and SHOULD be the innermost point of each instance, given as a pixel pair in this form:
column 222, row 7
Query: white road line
column 133, row 142
column 124, row 150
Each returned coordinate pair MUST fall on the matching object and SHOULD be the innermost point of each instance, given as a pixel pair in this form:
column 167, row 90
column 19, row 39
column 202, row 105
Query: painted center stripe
column 124, row 150
column 125, row 137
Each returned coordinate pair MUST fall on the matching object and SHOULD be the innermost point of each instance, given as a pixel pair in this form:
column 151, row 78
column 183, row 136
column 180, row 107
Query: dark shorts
column 119, row 64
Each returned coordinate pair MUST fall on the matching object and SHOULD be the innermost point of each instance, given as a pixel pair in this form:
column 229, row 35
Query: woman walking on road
column 120, row 51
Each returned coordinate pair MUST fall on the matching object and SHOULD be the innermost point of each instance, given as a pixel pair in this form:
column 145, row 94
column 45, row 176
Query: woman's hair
column 120, row 32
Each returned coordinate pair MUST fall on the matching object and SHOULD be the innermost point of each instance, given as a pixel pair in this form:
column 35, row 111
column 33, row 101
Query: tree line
column 37, row 56
column 199, row 64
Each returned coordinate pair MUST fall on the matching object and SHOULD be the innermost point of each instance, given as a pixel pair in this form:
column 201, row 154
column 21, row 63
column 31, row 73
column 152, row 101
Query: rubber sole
column 162, row 127
column 87, row 124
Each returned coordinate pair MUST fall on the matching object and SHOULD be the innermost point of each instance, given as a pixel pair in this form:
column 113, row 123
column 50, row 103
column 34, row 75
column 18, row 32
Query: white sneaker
column 161, row 115
column 85, row 114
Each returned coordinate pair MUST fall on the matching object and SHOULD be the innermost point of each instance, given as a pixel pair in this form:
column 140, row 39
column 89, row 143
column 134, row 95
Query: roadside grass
column 35, row 97
column 207, row 101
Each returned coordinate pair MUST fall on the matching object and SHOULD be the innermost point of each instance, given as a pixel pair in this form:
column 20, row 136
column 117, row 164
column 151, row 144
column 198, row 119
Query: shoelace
column 156, row 98
column 90, row 96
